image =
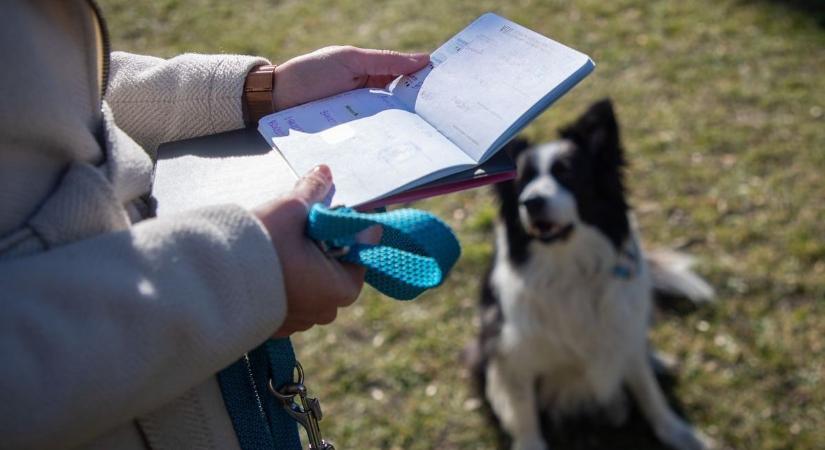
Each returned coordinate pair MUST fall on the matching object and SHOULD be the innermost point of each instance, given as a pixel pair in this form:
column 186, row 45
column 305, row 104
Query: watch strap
column 257, row 93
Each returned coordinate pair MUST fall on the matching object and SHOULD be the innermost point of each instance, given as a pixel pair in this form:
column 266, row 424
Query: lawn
column 722, row 105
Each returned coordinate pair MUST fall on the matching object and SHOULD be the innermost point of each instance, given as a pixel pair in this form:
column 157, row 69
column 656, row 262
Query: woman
column 114, row 323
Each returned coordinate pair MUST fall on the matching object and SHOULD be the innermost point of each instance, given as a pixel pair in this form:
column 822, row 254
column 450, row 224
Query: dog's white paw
column 681, row 436
column 663, row 364
column 533, row 442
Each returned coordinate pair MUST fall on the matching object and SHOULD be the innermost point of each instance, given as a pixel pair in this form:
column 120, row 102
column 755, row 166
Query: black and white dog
column 567, row 302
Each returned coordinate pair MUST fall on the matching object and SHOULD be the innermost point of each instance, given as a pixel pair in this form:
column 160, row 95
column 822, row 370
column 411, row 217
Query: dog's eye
column 527, row 173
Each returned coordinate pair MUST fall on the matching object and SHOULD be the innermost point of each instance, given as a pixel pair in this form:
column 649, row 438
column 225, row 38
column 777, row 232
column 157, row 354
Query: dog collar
column 627, row 265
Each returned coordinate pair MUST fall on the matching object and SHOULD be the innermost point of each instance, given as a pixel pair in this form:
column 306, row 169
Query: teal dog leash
column 415, row 253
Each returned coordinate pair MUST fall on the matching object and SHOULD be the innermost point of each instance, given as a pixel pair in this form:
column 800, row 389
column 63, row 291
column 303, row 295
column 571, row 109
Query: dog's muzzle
column 540, row 225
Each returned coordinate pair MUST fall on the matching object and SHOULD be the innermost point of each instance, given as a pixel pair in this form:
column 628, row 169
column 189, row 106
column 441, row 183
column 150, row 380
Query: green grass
column 722, row 104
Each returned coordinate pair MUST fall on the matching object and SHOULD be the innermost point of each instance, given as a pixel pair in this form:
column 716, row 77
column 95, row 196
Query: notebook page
column 373, row 145
column 484, row 79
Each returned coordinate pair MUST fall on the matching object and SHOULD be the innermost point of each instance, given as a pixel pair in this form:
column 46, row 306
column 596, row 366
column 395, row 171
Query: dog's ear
column 597, row 133
column 597, row 130
column 516, row 146
column 506, row 190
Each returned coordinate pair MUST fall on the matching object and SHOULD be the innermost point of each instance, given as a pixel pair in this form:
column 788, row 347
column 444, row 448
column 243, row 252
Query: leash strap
column 415, row 253
column 259, row 421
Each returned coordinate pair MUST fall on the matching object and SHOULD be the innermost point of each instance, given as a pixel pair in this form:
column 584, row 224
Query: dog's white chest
column 558, row 306
column 567, row 315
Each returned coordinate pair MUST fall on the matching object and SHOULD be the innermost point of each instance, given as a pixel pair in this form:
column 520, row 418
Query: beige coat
column 114, row 324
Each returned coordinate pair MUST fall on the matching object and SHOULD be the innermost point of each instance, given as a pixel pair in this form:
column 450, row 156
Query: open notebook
column 481, row 87
column 427, row 133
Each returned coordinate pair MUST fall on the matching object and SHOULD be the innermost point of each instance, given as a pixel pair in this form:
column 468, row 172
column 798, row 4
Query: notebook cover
column 240, row 167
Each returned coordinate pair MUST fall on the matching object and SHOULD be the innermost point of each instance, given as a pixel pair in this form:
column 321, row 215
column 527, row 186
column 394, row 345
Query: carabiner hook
column 308, row 413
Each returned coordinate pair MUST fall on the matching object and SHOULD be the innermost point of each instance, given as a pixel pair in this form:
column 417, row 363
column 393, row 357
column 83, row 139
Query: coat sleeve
column 158, row 100
column 99, row 331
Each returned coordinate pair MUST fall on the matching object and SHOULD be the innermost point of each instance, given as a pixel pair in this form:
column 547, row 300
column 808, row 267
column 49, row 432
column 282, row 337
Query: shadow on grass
column 591, row 433
column 814, row 9
column 594, row 433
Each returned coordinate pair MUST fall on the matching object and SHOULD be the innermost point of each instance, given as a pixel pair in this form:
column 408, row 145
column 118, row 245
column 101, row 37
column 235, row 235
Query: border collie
column 567, row 301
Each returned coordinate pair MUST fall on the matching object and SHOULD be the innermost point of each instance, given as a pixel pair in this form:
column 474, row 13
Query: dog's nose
column 534, row 205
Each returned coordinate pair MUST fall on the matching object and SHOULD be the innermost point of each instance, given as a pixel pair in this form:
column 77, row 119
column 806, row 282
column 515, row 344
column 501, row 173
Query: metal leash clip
column 332, row 251
column 307, row 413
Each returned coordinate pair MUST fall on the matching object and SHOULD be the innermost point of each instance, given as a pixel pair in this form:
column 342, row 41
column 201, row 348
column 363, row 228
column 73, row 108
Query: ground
column 722, row 106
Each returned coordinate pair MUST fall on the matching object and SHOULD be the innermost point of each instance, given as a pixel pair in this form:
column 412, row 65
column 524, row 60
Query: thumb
column 314, row 186
column 389, row 62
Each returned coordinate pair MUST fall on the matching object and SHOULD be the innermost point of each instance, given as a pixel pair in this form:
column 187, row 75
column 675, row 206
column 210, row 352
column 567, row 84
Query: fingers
column 288, row 329
column 287, row 216
column 371, row 235
column 379, row 81
column 389, row 62
column 295, row 325
column 314, row 186
column 352, row 275
column 350, row 283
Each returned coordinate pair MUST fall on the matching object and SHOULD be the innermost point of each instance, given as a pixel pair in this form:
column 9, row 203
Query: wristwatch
column 257, row 93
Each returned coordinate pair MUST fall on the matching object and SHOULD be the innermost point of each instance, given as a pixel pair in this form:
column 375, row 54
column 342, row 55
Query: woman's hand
column 332, row 70
column 316, row 285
